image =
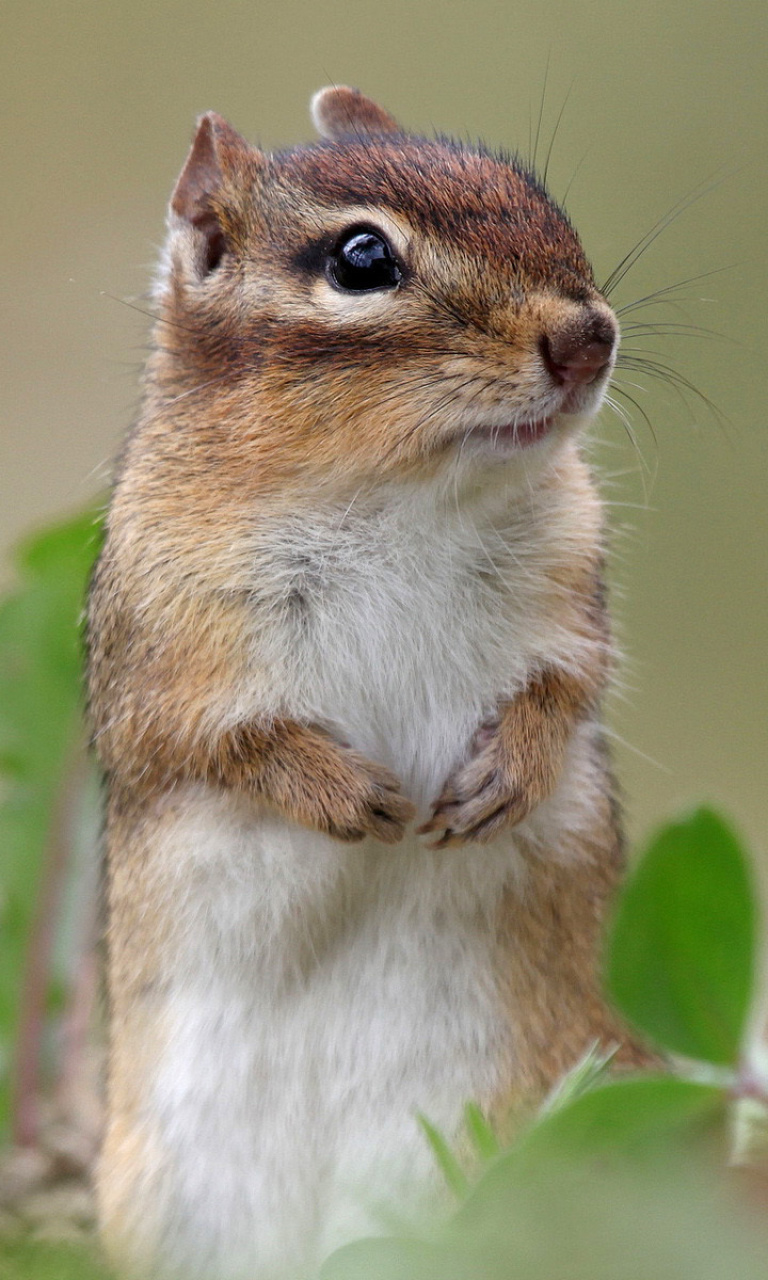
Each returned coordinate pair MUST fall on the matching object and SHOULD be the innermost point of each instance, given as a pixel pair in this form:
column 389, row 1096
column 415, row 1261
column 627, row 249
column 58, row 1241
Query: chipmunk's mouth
column 499, row 439
column 517, row 434
column 507, row 437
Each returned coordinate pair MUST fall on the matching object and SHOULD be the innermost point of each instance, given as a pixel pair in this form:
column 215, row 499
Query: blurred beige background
column 100, row 100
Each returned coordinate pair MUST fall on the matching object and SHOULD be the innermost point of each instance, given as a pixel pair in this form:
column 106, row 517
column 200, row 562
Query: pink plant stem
column 78, row 1015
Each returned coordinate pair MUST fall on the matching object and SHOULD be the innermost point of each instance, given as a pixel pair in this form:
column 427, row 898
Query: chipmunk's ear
column 215, row 167
column 340, row 112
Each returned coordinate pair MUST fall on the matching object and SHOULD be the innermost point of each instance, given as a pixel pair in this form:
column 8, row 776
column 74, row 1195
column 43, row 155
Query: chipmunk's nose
column 578, row 351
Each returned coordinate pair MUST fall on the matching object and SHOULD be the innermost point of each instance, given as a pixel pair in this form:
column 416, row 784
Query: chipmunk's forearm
column 300, row 769
column 542, row 717
column 516, row 757
column 536, row 725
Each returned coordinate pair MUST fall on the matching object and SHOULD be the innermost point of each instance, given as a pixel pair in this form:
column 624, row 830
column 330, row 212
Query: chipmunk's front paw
column 326, row 785
column 366, row 801
column 491, row 791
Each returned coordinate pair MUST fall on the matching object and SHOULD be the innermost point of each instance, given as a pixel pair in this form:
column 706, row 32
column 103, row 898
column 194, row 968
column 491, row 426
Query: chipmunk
column 348, row 641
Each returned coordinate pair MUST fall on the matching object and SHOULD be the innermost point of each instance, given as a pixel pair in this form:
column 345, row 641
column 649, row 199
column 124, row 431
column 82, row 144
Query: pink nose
column 577, row 354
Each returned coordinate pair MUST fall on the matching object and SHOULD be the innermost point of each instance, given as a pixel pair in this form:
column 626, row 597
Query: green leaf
column 623, row 1116
column 387, row 1259
column 483, row 1138
column 681, row 955
column 451, row 1169
column 622, row 1119
column 592, row 1069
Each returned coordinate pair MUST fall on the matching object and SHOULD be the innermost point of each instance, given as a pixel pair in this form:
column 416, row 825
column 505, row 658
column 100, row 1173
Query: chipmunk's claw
column 480, row 798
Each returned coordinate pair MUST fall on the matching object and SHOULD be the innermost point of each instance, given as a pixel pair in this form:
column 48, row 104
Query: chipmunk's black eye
column 362, row 260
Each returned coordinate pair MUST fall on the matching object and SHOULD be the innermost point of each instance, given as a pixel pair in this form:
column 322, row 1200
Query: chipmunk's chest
column 399, row 628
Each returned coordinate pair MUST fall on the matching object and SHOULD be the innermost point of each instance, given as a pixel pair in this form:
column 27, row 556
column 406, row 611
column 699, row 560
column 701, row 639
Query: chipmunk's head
column 378, row 300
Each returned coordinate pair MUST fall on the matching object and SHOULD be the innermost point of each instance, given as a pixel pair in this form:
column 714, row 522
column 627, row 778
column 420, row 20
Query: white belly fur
column 320, row 994
column 323, row 995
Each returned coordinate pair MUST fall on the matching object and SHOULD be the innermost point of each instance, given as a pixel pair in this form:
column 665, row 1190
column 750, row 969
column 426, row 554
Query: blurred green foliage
column 662, row 1220
column 25, row 1260
column 682, row 954
column 40, row 727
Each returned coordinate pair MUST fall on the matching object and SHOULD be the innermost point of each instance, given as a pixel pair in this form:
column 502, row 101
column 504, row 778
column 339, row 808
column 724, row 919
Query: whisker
column 541, row 111
column 644, row 243
column 465, row 383
column 554, row 133
column 639, row 329
column 572, row 179
column 611, row 733
column 624, row 506
column 150, row 315
column 645, row 471
column 444, row 305
column 658, row 294
column 656, row 368
column 192, row 391
column 619, row 386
